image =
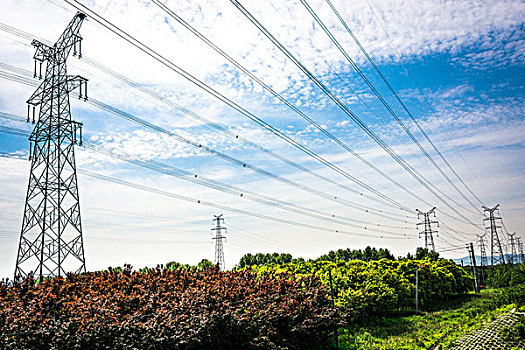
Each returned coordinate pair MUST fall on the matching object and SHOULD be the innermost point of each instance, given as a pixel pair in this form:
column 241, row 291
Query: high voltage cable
column 345, row 82
column 182, row 139
column 258, row 239
column 169, row 64
column 344, row 108
column 390, row 110
column 457, row 231
column 280, row 97
column 134, row 215
column 227, row 208
column 206, row 122
column 27, row 81
column 425, row 97
column 230, row 189
column 218, row 154
column 376, row 68
column 451, row 249
column 451, row 235
column 270, row 242
column 341, row 105
column 217, row 206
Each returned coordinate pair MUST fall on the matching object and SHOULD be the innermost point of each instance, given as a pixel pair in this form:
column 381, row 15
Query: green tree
column 205, row 264
column 424, row 253
column 261, row 259
column 368, row 254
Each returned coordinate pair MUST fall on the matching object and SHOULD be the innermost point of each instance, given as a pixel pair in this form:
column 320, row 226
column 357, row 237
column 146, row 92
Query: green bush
column 383, row 286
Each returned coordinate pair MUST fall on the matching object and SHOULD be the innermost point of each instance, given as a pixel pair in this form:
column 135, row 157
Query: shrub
column 183, row 308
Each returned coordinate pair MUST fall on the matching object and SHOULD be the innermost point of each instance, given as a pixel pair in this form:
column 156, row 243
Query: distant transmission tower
column 428, row 231
column 219, row 251
column 51, row 237
column 514, row 259
column 520, row 248
column 483, row 253
column 496, row 251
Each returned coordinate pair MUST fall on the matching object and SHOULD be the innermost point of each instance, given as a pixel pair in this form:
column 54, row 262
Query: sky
column 324, row 183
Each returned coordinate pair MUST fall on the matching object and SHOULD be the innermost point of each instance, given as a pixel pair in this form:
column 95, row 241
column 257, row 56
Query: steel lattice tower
column 219, row 251
column 51, row 240
column 513, row 252
column 483, row 253
column 428, row 231
column 520, row 248
column 496, row 251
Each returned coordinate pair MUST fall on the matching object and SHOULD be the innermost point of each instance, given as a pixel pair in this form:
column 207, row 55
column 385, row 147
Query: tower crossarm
column 71, row 82
column 43, row 52
column 69, row 38
column 36, row 97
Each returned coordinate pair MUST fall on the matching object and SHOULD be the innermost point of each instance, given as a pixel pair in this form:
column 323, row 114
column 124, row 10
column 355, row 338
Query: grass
column 452, row 320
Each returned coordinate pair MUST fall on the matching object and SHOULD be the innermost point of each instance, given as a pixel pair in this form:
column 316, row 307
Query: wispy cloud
column 482, row 114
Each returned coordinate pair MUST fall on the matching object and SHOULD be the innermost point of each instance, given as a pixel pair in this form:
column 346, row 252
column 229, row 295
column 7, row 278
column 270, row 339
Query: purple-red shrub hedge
column 168, row 309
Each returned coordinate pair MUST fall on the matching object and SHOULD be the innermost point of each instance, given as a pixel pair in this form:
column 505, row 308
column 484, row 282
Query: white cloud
column 489, row 132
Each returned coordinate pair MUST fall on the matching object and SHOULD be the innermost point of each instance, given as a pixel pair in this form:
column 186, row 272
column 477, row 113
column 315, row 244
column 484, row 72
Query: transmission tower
column 428, row 231
column 520, row 248
column 219, row 251
column 496, row 251
column 51, row 240
column 483, row 253
column 513, row 252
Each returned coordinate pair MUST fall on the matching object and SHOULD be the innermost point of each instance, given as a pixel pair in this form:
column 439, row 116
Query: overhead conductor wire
column 346, row 110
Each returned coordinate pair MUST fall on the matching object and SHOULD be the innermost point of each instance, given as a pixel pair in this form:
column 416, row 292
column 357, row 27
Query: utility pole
column 520, row 247
column 51, row 240
column 513, row 252
column 470, row 249
column 496, row 251
column 417, row 291
column 483, row 254
column 219, row 252
column 428, row 231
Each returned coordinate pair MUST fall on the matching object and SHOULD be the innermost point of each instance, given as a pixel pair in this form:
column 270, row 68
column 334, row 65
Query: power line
column 223, row 207
column 187, row 176
column 134, row 215
column 169, row 64
column 345, row 81
column 232, row 160
column 425, row 97
column 129, row 117
column 165, row 170
column 376, row 68
column 191, row 114
column 389, row 109
column 176, row 17
column 344, row 108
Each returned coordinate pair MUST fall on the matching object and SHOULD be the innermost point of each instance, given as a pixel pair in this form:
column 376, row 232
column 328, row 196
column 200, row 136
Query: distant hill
column 466, row 259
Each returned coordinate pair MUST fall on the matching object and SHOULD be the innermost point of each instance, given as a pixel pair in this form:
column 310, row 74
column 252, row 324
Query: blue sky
column 466, row 56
